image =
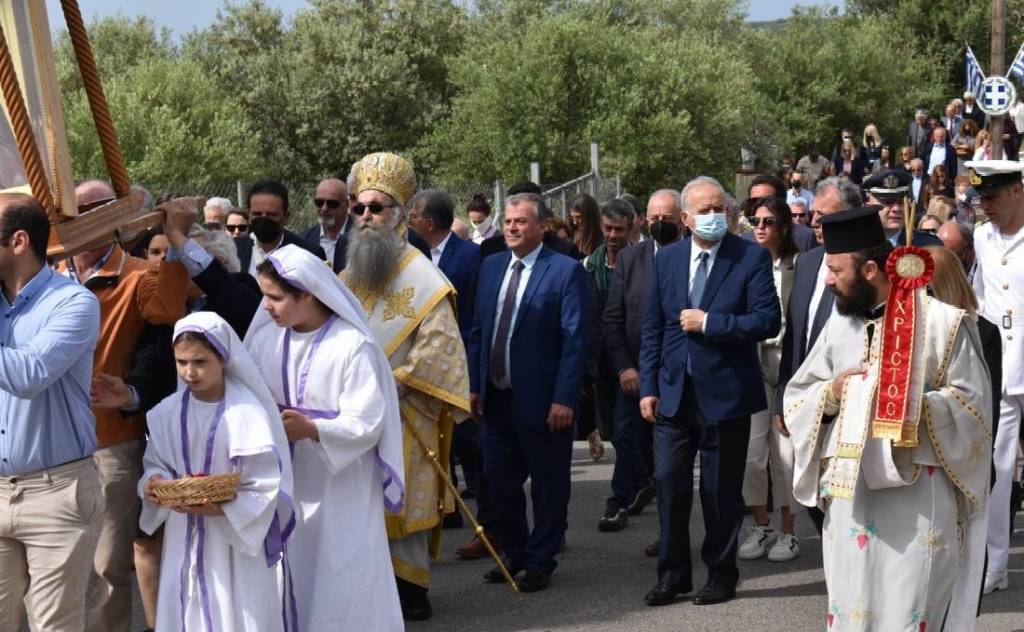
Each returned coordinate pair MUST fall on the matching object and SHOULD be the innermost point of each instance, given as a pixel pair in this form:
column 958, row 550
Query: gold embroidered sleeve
column 436, row 362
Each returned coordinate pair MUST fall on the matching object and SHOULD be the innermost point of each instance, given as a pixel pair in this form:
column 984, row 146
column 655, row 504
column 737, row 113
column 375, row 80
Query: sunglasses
column 375, row 207
column 763, row 222
column 213, row 226
column 331, row 204
column 237, row 228
column 799, row 215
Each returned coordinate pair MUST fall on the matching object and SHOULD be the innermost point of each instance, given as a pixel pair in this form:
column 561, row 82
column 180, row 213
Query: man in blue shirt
column 50, row 500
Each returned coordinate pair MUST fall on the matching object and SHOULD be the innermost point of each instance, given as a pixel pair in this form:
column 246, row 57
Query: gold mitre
column 385, row 172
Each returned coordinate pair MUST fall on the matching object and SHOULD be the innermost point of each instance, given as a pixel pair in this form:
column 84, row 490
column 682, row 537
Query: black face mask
column 664, row 232
column 265, row 229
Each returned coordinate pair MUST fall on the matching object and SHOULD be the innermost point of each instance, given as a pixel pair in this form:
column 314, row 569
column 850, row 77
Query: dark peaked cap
column 853, row 230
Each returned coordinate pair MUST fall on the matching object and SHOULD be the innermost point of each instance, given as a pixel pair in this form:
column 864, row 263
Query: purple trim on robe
column 300, row 395
column 192, row 519
column 391, row 479
column 212, row 340
column 281, row 273
column 201, row 570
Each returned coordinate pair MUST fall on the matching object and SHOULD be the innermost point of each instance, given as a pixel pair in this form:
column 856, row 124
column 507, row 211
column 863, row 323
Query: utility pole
column 998, row 67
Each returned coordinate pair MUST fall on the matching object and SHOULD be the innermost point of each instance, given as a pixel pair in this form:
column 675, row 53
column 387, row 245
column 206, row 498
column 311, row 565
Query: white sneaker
column 757, row 543
column 785, row 549
column 996, row 581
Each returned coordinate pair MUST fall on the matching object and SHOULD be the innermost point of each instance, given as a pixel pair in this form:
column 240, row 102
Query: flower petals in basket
column 193, row 490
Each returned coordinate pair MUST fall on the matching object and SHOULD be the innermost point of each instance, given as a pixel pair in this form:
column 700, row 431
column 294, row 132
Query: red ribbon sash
column 908, row 268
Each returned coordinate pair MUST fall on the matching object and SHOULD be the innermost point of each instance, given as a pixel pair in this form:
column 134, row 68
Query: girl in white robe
column 340, row 408
column 219, row 565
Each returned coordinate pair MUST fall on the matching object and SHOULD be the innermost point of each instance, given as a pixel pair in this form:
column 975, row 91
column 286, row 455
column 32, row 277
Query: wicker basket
column 193, row 490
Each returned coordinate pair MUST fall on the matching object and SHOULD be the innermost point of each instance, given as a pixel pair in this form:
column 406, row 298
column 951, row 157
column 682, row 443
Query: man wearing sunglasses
column 411, row 309
column 333, row 221
column 268, row 214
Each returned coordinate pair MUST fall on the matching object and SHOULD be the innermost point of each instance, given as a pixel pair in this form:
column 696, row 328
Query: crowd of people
column 348, row 372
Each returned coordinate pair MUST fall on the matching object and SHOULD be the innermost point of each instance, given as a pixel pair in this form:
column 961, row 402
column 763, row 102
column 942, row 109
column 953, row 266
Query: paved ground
column 602, row 578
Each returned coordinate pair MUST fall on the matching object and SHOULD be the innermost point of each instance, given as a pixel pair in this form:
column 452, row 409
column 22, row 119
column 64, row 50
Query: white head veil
column 309, row 274
column 240, row 371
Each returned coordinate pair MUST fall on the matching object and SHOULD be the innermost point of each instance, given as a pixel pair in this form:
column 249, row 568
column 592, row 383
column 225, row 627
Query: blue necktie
column 700, row 278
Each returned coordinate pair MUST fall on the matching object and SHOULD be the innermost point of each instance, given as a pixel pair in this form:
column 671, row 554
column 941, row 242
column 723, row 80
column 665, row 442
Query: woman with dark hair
column 479, row 211
column 939, row 183
column 772, row 222
column 886, row 159
column 964, row 143
column 585, row 220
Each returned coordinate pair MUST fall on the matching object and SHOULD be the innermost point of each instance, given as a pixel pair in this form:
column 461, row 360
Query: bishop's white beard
column 372, row 256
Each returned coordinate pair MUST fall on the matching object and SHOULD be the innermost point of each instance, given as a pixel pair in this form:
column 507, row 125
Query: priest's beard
column 859, row 301
column 372, row 256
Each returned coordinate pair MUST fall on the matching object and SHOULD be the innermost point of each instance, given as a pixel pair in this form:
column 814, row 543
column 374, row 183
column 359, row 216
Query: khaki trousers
column 49, row 522
column 120, row 468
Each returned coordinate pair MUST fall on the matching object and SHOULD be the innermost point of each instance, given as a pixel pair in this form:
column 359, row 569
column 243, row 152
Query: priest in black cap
column 889, row 421
column 890, row 189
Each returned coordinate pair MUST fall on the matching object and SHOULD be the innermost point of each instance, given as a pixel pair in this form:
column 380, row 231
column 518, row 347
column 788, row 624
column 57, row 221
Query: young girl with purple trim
column 339, row 405
column 220, row 560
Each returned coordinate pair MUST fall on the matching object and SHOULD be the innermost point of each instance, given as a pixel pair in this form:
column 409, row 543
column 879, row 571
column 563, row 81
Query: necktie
column 700, row 278
column 508, row 305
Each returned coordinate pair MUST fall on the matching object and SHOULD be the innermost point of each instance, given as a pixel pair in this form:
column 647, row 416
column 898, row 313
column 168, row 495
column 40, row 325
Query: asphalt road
column 602, row 577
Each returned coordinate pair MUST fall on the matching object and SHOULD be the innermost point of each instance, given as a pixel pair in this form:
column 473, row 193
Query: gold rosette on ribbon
column 909, row 268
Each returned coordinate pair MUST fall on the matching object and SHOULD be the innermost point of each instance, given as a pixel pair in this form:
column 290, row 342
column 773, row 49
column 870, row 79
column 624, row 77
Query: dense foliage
column 669, row 88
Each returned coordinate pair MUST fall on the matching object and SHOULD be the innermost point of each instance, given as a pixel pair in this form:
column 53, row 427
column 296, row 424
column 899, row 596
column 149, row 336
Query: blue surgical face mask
column 710, row 227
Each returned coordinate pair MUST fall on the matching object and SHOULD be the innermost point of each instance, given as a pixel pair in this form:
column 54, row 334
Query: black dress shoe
column 495, row 576
column 614, row 519
column 653, row 549
column 534, row 581
column 414, row 602
column 663, row 594
column 643, row 498
column 714, row 593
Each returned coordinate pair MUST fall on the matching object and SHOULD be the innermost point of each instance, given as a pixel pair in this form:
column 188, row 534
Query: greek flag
column 1017, row 67
column 973, row 76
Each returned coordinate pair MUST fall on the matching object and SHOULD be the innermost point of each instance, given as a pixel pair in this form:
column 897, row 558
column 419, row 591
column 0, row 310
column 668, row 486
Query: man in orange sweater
column 131, row 292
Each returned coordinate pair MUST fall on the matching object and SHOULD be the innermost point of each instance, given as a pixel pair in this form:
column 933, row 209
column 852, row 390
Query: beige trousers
column 120, row 468
column 49, row 522
column 766, row 441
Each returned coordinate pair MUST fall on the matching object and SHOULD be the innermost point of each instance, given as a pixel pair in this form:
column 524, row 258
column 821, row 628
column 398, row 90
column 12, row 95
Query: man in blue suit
column 711, row 301
column 527, row 353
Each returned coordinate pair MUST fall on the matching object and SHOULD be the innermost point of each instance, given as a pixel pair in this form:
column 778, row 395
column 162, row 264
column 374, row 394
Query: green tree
column 822, row 72
column 940, row 30
column 664, row 104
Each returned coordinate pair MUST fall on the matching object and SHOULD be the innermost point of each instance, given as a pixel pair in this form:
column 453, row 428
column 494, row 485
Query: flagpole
column 997, row 68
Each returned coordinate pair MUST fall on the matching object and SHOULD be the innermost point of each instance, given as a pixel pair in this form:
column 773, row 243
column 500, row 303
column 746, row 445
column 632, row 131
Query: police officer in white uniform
column 999, row 285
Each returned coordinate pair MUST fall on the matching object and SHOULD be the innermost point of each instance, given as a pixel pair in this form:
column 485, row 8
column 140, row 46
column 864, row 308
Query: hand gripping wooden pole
column 22, row 127
column 479, row 530
column 112, row 155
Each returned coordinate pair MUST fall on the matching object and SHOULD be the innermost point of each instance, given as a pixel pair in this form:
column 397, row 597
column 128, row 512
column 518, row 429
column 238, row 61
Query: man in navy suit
column 333, row 222
column 711, row 301
column 267, row 201
column 527, row 353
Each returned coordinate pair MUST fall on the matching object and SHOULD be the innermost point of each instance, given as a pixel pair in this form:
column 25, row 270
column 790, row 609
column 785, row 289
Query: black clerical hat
column 852, row 230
